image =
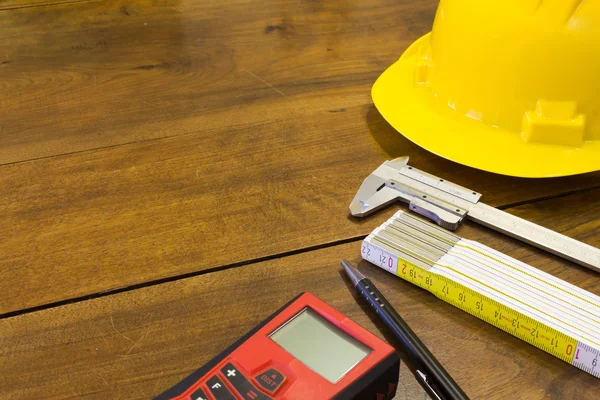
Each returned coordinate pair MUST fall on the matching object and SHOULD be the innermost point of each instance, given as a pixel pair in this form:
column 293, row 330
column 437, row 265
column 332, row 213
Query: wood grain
column 9, row 5
column 96, row 74
column 262, row 130
column 135, row 344
column 85, row 223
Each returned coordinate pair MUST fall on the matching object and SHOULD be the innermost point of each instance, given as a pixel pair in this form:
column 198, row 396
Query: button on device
column 242, row 384
column 198, row 395
column 270, row 380
column 218, row 389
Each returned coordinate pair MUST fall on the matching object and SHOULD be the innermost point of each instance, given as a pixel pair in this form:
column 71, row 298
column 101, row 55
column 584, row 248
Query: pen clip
column 432, row 393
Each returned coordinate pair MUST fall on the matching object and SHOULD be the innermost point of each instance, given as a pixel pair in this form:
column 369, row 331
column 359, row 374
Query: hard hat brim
column 415, row 113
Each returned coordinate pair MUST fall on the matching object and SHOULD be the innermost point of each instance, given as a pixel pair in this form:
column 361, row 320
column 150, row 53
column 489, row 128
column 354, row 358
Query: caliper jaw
column 372, row 195
column 388, row 183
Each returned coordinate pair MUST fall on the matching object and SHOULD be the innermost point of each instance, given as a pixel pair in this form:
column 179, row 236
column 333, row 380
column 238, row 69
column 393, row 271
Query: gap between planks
column 240, row 264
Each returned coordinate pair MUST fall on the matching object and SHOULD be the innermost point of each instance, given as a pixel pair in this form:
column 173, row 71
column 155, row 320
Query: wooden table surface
column 171, row 172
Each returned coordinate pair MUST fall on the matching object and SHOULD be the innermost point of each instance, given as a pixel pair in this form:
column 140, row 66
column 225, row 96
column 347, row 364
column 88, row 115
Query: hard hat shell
column 505, row 86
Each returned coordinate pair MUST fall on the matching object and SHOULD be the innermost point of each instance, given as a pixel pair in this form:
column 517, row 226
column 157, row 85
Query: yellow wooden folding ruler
column 536, row 307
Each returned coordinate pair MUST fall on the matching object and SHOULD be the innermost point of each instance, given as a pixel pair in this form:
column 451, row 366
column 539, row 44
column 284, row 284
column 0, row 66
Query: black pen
column 427, row 370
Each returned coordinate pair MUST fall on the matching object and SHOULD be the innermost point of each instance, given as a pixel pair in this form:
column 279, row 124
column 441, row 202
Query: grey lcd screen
column 319, row 345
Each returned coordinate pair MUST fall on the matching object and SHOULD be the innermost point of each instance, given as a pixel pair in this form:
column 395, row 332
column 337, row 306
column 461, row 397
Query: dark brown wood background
column 173, row 171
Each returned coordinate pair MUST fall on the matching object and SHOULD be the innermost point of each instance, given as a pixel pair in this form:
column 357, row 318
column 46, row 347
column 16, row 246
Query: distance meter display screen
column 320, row 345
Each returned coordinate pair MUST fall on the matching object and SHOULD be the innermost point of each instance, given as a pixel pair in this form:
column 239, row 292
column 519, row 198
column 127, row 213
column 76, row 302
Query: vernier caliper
column 447, row 204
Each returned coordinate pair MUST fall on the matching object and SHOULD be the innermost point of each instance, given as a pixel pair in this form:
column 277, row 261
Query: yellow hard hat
column 508, row 86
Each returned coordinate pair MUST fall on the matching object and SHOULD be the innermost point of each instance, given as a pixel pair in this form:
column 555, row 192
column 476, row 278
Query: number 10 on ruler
column 380, row 257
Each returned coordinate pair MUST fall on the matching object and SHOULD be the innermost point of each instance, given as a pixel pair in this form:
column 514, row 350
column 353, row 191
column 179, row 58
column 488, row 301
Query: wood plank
column 96, row 74
column 135, row 344
column 91, row 222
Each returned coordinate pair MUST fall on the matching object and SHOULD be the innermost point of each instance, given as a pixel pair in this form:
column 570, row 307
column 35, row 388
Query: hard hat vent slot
column 424, row 65
column 554, row 122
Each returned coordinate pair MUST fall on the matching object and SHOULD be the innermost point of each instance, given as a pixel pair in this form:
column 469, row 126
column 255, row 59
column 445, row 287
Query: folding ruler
column 538, row 308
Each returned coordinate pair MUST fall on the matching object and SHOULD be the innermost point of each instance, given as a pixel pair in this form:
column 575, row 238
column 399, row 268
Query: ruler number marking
column 366, row 250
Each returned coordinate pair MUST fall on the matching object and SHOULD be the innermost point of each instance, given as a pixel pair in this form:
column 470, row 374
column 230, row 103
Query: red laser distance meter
column 306, row 350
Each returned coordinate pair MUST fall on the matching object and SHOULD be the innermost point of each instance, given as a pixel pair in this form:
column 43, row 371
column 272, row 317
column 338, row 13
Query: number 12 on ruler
column 380, row 257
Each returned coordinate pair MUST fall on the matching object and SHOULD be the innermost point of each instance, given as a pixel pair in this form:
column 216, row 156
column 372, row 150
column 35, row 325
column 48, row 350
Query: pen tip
column 352, row 272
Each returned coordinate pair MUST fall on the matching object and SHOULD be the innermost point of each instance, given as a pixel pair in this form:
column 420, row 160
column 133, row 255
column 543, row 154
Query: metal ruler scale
column 448, row 204
column 535, row 307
